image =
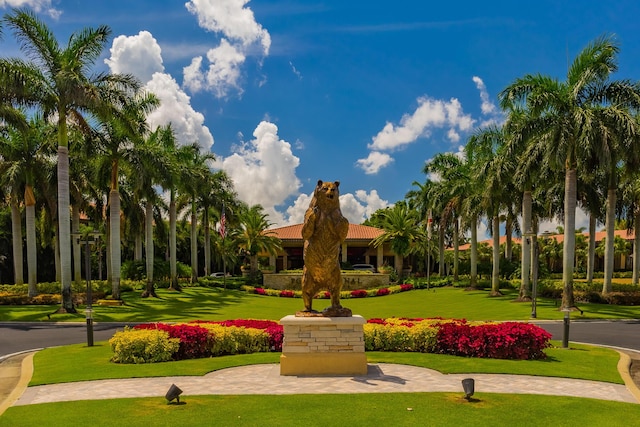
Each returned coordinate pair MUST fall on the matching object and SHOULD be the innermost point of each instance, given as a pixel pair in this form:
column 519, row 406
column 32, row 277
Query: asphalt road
column 18, row 337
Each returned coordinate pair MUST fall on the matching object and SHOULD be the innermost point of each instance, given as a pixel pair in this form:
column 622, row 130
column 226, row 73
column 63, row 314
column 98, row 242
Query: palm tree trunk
column 474, row 252
column 608, row 251
column 569, row 245
column 525, row 270
column 148, row 224
column 64, row 225
column 172, row 244
column 495, row 275
column 508, row 248
column 194, row 244
column 636, row 247
column 137, row 250
column 456, row 262
column 441, row 254
column 32, row 261
column 114, row 222
column 16, row 232
column 207, row 242
column 75, row 228
column 591, row 258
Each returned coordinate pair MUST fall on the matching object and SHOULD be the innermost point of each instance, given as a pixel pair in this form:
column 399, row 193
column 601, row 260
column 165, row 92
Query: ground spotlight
column 468, row 385
column 173, row 393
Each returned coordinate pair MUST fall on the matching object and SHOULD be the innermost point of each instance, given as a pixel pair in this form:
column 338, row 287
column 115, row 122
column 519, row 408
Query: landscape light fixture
column 468, row 385
column 174, row 392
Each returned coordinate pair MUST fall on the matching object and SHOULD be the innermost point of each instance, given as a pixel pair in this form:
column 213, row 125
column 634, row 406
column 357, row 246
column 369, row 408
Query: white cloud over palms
column 37, row 6
column 141, row 56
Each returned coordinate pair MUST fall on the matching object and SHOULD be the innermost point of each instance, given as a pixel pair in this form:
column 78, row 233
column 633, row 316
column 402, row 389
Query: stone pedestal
column 323, row 346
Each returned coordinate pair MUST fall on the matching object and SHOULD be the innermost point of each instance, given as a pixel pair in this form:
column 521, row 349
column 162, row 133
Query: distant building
column 357, row 248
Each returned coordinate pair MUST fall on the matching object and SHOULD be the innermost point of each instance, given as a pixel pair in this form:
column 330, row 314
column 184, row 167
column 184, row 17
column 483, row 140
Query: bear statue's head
column 327, row 194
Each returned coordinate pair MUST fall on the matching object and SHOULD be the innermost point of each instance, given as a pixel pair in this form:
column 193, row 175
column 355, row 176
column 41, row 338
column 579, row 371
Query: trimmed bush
column 143, row 346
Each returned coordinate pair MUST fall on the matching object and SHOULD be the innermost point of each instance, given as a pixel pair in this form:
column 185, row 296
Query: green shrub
column 142, row 346
column 236, row 340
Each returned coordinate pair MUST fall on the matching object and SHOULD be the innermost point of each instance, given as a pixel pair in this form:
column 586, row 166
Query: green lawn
column 397, row 409
column 218, row 304
column 376, row 409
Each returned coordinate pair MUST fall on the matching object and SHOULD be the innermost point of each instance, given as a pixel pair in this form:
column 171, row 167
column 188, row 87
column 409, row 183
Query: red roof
column 557, row 237
column 356, row 232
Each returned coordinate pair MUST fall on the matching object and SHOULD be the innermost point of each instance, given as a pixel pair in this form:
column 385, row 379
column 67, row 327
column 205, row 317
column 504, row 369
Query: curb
column 26, row 372
column 624, row 367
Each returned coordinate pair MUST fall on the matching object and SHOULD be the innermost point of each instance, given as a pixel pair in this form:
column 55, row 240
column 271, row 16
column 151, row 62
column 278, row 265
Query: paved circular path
column 266, row 379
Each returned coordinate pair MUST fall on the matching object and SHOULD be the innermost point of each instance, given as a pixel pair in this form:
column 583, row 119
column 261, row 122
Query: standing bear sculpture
column 324, row 230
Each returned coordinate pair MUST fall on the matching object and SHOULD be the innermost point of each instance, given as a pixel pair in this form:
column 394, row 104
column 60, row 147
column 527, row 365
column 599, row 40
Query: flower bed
column 161, row 342
column 356, row 293
column 507, row 340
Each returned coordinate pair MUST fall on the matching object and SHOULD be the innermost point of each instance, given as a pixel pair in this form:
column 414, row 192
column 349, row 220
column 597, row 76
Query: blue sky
column 286, row 92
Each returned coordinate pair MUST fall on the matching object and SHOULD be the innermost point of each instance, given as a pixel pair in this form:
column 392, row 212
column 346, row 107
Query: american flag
column 223, row 222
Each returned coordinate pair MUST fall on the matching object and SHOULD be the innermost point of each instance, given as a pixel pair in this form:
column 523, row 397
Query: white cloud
column 356, row 208
column 374, row 162
column 232, row 19
column 175, row 108
column 138, row 55
column 487, row 106
column 431, row 113
column 222, row 75
column 241, row 36
column 141, row 56
column 37, row 6
column 263, row 170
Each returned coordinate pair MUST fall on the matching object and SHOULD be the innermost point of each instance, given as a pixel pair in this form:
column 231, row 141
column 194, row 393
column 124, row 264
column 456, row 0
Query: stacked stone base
column 323, row 346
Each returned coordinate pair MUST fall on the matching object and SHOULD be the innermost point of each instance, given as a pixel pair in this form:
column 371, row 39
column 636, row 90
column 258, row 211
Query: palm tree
column 56, row 81
column 401, row 230
column 494, row 170
column 118, row 140
column 568, row 118
column 254, row 236
column 453, row 187
column 24, row 159
column 150, row 165
column 194, row 176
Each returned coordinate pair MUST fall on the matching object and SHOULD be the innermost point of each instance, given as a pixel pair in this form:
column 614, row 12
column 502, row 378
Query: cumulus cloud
column 188, row 124
column 141, row 56
column 374, row 162
column 36, row 5
column 241, row 36
column 355, row 207
column 232, row 19
column 222, row 75
column 263, row 170
column 431, row 113
column 138, row 55
column 487, row 106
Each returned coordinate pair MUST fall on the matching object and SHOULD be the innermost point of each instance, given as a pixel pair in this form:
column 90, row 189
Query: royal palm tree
column 24, row 160
column 118, row 140
column 55, row 79
column 253, row 237
column 568, row 118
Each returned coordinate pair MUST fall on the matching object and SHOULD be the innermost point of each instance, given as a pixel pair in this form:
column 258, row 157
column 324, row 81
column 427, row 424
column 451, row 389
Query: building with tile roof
column 357, row 248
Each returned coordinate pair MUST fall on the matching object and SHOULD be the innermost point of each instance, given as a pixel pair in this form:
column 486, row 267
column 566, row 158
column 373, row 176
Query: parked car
column 218, row 274
column 364, row 267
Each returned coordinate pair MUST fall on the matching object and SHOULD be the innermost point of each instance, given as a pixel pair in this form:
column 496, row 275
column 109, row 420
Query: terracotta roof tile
column 356, row 232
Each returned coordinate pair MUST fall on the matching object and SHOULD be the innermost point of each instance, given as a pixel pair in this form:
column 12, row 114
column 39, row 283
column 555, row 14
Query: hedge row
column 155, row 342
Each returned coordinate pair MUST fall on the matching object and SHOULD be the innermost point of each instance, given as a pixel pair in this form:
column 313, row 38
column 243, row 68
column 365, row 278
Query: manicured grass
column 218, row 304
column 90, row 363
column 375, row 409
